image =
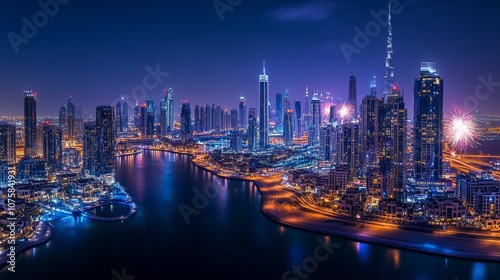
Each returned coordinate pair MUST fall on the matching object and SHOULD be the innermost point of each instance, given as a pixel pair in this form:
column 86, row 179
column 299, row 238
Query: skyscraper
column 373, row 87
column 252, row 129
column 150, row 119
column 137, row 115
column 242, row 112
column 52, row 145
column 118, row 117
column 105, row 129
column 29, row 123
column 90, row 149
column 170, row 109
column 234, row 119
column 185, row 118
column 389, row 67
column 315, row 123
column 352, row 98
column 428, row 123
column 369, row 129
column 306, row 117
column 263, row 109
column 392, row 152
column 279, row 112
column 8, row 143
column 326, row 142
column 348, row 147
column 197, row 119
column 288, row 127
column 71, row 118
column 298, row 118
column 63, row 120
column 203, row 120
column 124, row 115
column 143, row 119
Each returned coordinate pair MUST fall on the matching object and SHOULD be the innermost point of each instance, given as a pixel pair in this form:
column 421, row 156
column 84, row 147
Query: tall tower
column 242, row 112
column 105, row 131
column 118, row 116
column 29, row 123
column 8, row 143
column 185, row 118
column 306, row 110
column 52, row 145
column 428, row 123
column 263, row 109
column 279, row 112
column 369, row 129
column 252, row 129
column 373, row 87
column 137, row 115
column 71, row 118
column 124, row 115
column 389, row 67
column 298, row 118
column 170, row 109
column 288, row 127
column 352, row 98
column 150, row 119
column 315, row 124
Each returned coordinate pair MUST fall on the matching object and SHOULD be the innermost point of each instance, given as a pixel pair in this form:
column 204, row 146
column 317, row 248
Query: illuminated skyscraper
column 124, row 115
column 90, row 149
column 369, row 129
column 143, row 118
column 197, row 118
column 288, row 127
column 263, row 109
column 170, row 109
column 373, row 87
column 252, row 129
column 186, row 119
column 63, row 120
column 326, row 142
column 306, row 117
column 150, row 118
column 352, row 98
column 348, row 146
column 234, row 119
column 279, row 112
column 29, row 123
column 298, row 119
column 315, row 124
column 52, row 145
column 137, row 115
column 106, row 131
column 71, row 118
column 389, row 67
column 118, row 117
column 8, row 143
column 428, row 123
column 242, row 120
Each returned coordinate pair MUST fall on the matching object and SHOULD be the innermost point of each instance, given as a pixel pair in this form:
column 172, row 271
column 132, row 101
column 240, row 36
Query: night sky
column 98, row 50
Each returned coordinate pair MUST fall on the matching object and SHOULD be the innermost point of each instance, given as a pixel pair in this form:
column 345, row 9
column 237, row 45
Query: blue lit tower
column 105, row 129
column 288, row 127
column 71, row 118
column 373, row 87
column 315, row 121
column 369, row 129
column 170, row 109
column 163, row 115
column 29, row 123
column 389, row 67
column 298, row 118
column 52, row 145
column 234, row 119
column 150, row 118
column 118, row 116
column 124, row 115
column 263, row 109
column 279, row 112
column 428, row 123
column 185, row 119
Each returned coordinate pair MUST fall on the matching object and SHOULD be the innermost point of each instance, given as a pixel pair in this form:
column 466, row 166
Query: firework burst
column 461, row 129
column 345, row 112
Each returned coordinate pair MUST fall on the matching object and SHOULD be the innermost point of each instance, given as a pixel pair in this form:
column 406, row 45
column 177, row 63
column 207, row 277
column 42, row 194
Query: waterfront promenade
column 288, row 207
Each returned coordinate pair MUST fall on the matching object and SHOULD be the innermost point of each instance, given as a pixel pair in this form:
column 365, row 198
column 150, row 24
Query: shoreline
column 439, row 243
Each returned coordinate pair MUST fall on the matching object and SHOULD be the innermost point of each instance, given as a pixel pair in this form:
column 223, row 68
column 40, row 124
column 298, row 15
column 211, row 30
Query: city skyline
column 320, row 66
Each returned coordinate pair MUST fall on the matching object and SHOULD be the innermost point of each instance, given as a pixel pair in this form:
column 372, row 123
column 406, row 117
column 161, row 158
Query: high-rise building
column 71, row 118
column 263, row 109
column 197, row 119
column 203, row 119
column 389, row 67
column 392, row 149
column 279, row 112
column 234, row 119
column 333, row 119
column 163, row 115
column 185, row 118
column 373, row 87
column 170, row 109
column 288, row 127
column 150, row 119
column 369, row 129
column 252, row 129
column 106, row 131
column 52, row 145
column 352, row 98
column 118, row 117
column 235, row 139
column 326, row 142
column 137, row 115
column 124, row 115
column 348, row 146
column 428, row 123
column 208, row 118
column 306, row 117
column 63, row 120
column 90, row 149
column 242, row 120
column 30, row 123
column 298, row 119
column 39, row 141
column 143, row 119
column 8, row 143
column 315, row 121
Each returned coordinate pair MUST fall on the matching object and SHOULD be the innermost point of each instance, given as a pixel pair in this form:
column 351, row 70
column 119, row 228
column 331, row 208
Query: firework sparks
column 345, row 112
column 461, row 130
